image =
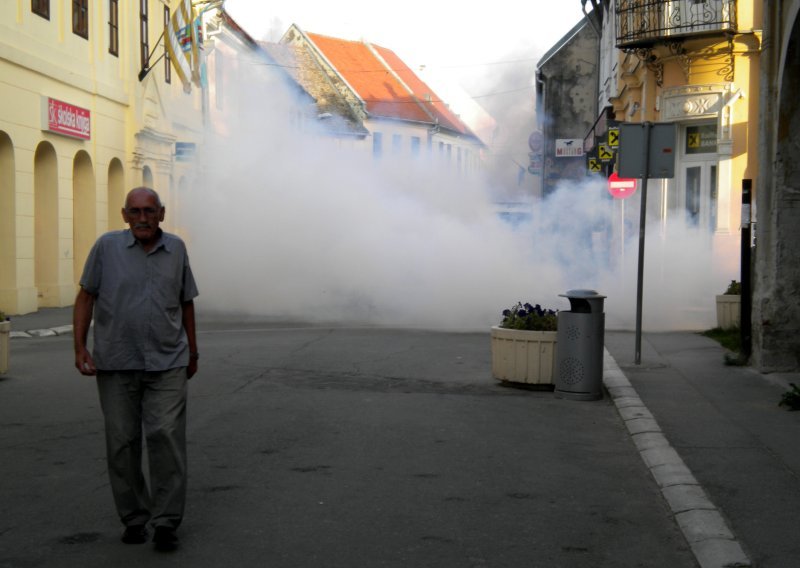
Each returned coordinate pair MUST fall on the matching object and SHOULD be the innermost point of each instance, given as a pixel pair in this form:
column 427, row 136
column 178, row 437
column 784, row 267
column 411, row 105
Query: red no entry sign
column 620, row 188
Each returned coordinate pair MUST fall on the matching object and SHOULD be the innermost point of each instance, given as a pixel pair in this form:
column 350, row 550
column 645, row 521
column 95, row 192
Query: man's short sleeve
column 93, row 270
column 189, row 288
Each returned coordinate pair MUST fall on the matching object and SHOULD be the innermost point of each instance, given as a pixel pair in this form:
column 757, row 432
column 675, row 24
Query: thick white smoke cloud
column 287, row 225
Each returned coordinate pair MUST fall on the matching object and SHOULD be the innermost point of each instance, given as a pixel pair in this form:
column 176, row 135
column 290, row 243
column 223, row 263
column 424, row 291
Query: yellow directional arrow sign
column 594, row 165
column 604, row 153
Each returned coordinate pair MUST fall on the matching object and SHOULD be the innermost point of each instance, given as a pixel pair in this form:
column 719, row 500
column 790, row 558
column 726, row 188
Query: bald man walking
column 139, row 287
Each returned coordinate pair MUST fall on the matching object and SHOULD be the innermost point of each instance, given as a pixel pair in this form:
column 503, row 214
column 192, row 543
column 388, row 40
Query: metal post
column 746, row 299
column 642, row 218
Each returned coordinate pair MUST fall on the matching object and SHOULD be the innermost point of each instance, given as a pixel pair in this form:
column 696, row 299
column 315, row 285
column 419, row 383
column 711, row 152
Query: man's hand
column 81, row 320
column 84, row 363
column 191, row 369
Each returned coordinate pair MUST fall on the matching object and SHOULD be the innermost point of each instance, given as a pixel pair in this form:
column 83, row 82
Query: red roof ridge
column 385, row 85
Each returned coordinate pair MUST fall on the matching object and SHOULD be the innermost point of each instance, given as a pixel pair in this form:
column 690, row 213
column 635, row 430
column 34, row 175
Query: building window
column 377, row 145
column 113, row 27
column 80, row 18
column 415, row 146
column 144, row 46
column 167, row 60
column 41, row 8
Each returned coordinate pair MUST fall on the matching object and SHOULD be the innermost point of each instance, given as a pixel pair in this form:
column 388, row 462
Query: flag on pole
column 182, row 45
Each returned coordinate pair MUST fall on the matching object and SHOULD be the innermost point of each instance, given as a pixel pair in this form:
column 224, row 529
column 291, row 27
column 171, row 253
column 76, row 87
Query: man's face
column 143, row 215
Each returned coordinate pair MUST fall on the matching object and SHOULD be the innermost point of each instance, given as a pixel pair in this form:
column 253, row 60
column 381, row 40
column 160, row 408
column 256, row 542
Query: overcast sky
column 470, row 42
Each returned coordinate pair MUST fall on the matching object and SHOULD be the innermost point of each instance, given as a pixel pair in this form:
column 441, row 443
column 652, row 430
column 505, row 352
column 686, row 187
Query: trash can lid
column 582, row 293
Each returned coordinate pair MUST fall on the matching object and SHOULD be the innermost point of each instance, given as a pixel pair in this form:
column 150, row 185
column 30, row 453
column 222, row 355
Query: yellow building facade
column 78, row 129
column 694, row 64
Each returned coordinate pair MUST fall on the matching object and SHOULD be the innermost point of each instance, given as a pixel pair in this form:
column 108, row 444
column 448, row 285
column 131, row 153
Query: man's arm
column 188, row 326
column 81, row 320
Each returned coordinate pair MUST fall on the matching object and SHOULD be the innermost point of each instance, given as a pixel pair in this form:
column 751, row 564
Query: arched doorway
column 45, row 206
column 8, row 227
column 147, row 177
column 116, row 194
column 84, row 211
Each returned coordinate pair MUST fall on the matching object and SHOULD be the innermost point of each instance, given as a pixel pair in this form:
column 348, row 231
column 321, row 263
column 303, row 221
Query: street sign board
column 632, row 144
column 604, row 153
column 613, row 137
column 569, row 147
column 620, row 188
column 536, row 141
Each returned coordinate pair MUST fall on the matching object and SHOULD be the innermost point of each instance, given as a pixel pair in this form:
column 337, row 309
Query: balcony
column 642, row 23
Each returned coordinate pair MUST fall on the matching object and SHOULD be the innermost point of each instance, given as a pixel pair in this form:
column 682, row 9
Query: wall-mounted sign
column 66, row 119
column 701, row 139
column 536, row 141
column 184, row 151
column 569, row 147
column 613, row 137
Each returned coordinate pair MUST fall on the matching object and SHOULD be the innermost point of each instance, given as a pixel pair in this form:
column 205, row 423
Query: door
column 697, row 176
column 698, row 194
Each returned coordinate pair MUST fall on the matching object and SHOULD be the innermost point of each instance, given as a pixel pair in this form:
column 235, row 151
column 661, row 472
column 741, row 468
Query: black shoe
column 165, row 538
column 135, row 534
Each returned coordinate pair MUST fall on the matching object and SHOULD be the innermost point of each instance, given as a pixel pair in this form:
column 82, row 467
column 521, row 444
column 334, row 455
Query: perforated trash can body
column 581, row 335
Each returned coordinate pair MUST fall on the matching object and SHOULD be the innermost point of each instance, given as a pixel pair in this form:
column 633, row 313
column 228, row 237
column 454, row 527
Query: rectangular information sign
column 661, row 155
column 66, row 119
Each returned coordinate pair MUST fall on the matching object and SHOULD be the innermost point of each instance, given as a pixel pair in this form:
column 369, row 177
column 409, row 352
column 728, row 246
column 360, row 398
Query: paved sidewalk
column 731, row 471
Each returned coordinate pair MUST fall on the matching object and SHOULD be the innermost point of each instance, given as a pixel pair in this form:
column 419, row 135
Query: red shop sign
column 64, row 118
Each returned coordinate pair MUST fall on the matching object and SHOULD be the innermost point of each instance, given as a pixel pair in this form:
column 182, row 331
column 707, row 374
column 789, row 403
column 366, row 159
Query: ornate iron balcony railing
column 644, row 22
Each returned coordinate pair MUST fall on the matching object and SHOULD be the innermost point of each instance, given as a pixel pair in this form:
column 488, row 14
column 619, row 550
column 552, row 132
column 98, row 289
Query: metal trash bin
column 579, row 358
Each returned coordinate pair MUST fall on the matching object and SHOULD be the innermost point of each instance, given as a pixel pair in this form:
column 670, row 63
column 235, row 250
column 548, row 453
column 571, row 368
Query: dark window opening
column 167, row 60
column 144, row 42
column 41, row 8
column 113, row 27
column 80, row 18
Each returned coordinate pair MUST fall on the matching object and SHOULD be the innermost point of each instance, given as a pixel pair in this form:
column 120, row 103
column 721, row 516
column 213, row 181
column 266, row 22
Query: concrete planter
column 729, row 310
column 523, row 356
column 5, row 334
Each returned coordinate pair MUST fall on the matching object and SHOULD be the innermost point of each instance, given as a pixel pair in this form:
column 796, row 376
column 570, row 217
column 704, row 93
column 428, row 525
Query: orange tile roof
column 430, row 101
column 389, row 88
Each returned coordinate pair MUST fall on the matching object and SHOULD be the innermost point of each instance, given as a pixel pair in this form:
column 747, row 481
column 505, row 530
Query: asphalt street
column 338, row 447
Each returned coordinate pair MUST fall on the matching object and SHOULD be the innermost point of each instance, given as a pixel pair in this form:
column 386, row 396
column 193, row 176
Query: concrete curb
column 711, row 541
column 45, row 332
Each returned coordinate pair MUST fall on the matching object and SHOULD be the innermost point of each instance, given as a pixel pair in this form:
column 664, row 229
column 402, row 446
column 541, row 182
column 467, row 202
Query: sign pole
column 642, row 218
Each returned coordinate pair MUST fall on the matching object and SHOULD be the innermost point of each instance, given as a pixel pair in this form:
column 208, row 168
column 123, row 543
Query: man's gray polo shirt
column 137, row 309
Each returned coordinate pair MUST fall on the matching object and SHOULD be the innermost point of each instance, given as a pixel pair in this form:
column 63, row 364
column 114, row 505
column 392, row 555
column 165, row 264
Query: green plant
column 2, row 315
column 530, row 318
column 734, row 289
column 730, row 339
column 791, row 398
